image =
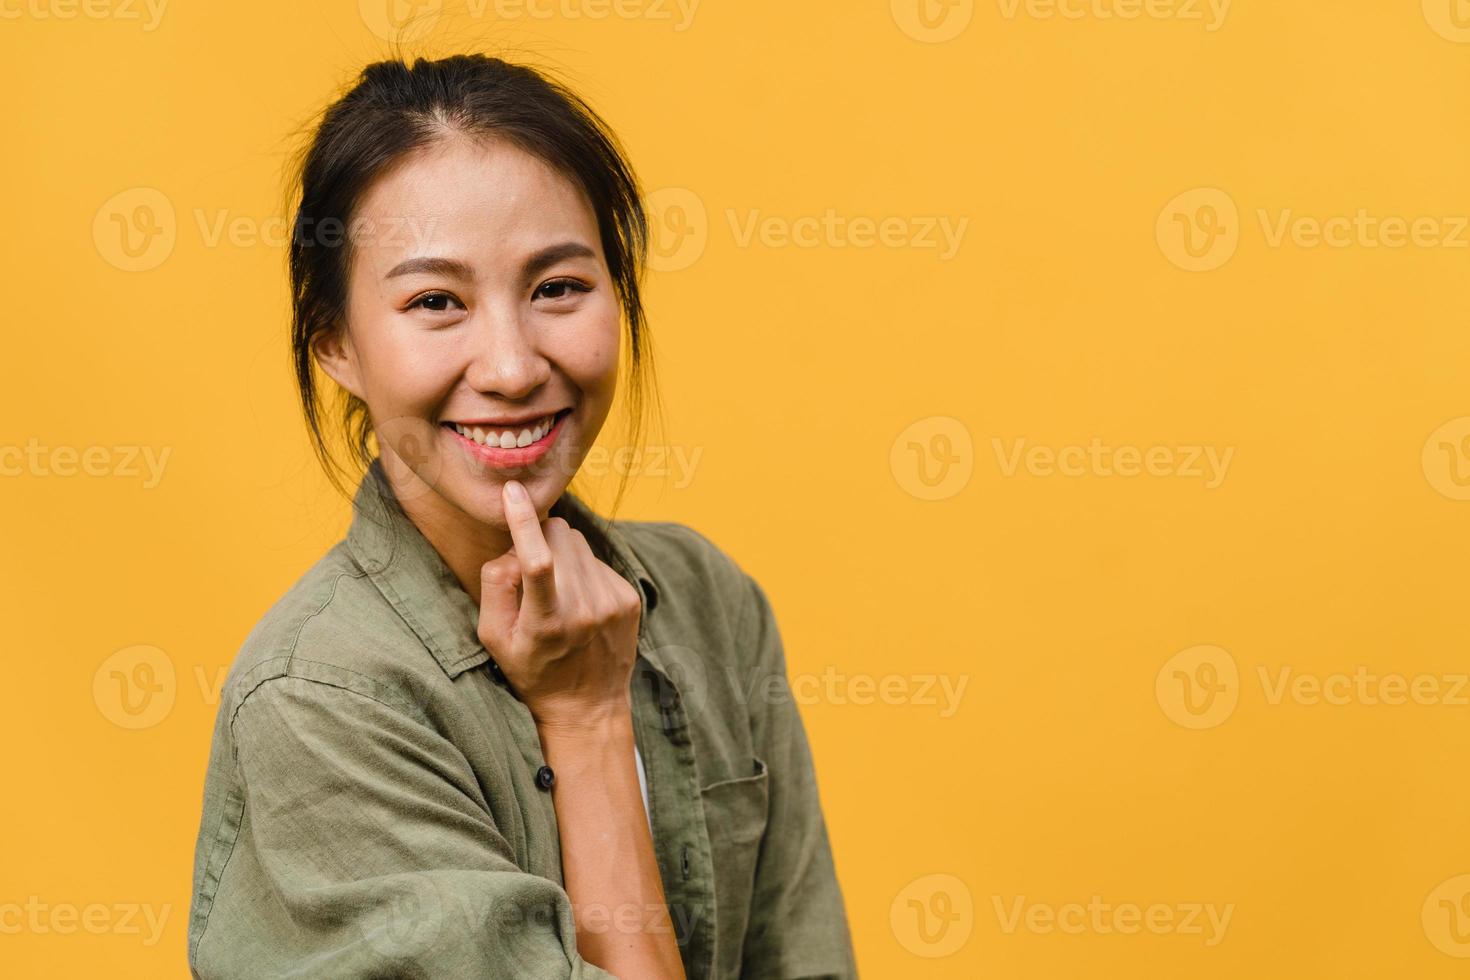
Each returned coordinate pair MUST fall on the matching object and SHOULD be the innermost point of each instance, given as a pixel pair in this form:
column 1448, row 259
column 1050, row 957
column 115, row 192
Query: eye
column 554, row 289
column 434, row 302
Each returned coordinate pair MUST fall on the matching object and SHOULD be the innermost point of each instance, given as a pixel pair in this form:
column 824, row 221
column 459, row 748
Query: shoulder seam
column 290, row 654
column 747, row 607
column 320, row 682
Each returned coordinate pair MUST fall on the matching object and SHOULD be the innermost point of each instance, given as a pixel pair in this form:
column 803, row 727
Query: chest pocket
column 735, row 812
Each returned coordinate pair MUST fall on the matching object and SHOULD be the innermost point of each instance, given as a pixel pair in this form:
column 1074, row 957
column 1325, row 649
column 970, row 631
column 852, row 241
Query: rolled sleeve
column 366, row 850
column 798, row 925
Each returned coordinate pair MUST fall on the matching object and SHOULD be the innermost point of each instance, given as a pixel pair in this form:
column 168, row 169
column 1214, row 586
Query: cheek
column 404, row 373
column 589, row 355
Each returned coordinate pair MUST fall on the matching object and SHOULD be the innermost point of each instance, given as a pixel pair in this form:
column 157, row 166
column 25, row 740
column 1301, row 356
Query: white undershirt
column 643, row 787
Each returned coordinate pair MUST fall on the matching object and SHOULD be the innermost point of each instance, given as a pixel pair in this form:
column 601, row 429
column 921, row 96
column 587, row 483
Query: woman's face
column 482, row 326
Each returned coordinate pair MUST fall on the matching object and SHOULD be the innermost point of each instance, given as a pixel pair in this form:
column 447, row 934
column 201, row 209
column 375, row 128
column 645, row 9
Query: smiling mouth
column 508, row 437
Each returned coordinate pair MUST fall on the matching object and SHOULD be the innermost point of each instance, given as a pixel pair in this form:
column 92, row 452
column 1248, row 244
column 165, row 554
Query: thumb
column 500, row 602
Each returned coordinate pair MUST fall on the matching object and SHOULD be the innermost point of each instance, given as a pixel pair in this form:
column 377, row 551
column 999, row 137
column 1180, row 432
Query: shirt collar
column 415, row 580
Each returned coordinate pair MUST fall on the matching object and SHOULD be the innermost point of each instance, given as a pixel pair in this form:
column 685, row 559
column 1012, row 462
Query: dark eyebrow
column 553, row 254
column 456, row 269
column 453, row 268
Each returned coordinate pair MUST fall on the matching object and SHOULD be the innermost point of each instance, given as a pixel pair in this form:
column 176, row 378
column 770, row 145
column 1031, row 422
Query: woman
column 491, row 734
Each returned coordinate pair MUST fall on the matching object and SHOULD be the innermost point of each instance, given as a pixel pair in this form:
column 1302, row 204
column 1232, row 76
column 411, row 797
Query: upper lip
column 507, row 423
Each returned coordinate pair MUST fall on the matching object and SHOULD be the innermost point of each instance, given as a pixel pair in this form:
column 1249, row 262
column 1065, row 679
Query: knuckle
column 538, row 566
column 601, row 611
column 626, row 596
column 583, row 613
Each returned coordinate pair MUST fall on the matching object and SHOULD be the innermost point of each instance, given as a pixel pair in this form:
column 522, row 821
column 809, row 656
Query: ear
column 333, row 352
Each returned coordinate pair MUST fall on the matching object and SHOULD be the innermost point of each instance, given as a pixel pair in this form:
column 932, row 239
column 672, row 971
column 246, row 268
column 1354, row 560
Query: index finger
column 538, row 573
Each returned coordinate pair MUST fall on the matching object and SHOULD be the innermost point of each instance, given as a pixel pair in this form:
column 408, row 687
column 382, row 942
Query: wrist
column 610, row 723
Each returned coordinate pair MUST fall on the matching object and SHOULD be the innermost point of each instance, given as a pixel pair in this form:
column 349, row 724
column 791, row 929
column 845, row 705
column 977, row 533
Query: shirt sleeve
column 366, row 850
column 798, row 923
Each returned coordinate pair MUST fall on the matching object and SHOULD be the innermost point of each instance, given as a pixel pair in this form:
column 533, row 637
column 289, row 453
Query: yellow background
column 825, row 389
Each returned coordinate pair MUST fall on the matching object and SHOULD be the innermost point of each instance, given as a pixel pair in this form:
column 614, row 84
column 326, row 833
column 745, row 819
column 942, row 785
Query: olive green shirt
column 372, row 806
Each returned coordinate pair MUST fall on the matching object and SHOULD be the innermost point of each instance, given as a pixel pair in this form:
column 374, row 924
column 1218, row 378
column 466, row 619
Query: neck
column 464, row 543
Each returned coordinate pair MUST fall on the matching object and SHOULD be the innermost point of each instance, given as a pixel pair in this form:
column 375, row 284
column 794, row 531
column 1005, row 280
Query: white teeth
column 506, row 438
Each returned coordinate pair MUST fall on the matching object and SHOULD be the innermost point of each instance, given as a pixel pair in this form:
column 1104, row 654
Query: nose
column 504, row 358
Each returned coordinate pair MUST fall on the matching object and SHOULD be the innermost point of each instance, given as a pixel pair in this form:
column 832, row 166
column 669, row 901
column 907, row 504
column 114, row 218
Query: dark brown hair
column 394, row 109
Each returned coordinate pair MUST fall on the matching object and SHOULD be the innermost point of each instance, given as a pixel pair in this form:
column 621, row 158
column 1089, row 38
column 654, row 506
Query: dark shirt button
column 545, row 777
column 495, row 672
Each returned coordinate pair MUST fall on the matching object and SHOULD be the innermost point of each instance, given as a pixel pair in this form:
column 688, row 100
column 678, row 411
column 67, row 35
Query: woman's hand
column 561, row 624
column 563, row 627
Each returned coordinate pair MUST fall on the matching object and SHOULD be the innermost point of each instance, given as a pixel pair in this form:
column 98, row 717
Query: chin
column 479, row 497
